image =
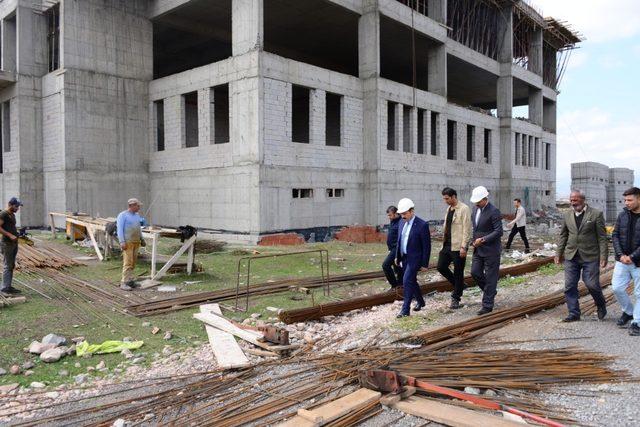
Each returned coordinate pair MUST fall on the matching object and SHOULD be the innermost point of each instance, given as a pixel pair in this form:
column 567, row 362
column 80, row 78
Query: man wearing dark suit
column 487, row 231
column 392, row 271
column 583, row 245
column 412, row 254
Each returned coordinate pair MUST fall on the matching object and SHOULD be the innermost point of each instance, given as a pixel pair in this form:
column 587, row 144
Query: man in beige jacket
column 457, row 233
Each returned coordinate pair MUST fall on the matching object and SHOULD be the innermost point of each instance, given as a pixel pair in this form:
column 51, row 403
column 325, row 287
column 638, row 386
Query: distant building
column 602, row 185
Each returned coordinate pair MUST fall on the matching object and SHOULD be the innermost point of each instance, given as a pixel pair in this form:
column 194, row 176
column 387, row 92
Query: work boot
column 401, row 315
column 624, row 319
column 417, row 307
column 527, row 251
column 602, row 312
column 126, row 287
column 12, row 290
column 133, row 284
column 484, row 310
column 634, row 329
column 455, row 304
column 571, row 318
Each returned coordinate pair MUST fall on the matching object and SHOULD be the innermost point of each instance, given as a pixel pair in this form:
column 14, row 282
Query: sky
column 598, row 104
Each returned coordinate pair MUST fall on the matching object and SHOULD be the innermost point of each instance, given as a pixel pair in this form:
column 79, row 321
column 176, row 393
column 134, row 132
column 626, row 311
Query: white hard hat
column 404, row 205
column 478, row 194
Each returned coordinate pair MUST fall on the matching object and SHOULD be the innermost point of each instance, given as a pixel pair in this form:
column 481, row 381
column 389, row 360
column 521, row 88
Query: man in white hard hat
column 412, row 253
column 487, row 232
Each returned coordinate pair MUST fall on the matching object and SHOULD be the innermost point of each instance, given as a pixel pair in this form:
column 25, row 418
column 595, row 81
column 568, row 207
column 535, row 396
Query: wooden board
column 333, row 410
column 225, row 348
column 249, row 336
column 450, row 415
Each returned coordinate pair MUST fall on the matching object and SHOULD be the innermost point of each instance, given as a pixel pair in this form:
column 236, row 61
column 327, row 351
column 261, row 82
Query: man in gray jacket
column 583, row 245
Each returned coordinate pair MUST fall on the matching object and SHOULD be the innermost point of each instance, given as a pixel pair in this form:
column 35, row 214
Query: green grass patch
column 550, row 269
column 510, row 281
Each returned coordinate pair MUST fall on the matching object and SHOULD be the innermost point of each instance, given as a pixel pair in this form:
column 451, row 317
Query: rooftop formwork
column 256, row 116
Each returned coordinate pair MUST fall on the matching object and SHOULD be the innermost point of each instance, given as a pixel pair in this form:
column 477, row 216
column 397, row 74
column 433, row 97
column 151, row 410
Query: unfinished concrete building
column 257, row 116
column 603, row 186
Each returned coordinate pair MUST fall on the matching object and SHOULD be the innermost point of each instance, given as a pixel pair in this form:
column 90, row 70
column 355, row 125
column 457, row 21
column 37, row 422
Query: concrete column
column 535, row 52
column 9, row 44
column 317, row 119
column 549, row 115
column 437, row 10
column 413, row 122
column 247, row 26
column 247, row 119
column 206, row 107
column 399, row 134
column 535, row 106
column 505, row 57
column 437, row 70
column 374, row 142
column 369, row 41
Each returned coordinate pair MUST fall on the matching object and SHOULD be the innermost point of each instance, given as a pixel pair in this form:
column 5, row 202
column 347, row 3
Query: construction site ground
column 188, row 351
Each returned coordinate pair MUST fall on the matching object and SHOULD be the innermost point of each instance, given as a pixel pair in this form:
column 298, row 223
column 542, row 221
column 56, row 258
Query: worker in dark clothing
column 9, row 244
column 392, row 271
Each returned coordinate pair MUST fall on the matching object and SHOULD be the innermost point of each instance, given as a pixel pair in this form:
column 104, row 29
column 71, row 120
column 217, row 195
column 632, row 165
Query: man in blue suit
column 412, row 253
column 487, row 232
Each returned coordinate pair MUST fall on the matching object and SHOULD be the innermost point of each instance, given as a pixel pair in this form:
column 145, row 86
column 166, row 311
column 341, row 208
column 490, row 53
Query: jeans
column 485, row 271
column 410, row 287
column 622, row 275
column 9, row 252
column 523, row 234
column 456, row 278
column 391, row 270
column 590, row 271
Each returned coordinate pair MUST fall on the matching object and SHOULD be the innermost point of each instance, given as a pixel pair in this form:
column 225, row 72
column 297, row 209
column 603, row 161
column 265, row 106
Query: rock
column 119, row 423
column 146, row 324
column 53, row 355
column 77, row 340
column 15, row 369
column 167, row 336
column 38, row 347
column 127, row 353
column 137, row 360
column 155, row 330
column 77, row 365
column 300, row 326
column 28, row 365
column 472, row 390
column 54, row 339
column 308, row 338
column 101, row 365
column 255, row 315
column 90, row 369
column 273, row 309
column 8, row 388
column 3, row 371
column 81, row 378
column 71, row 350
column 63, row 373
column 167, row 351
column 247, row 321
column 28, row 373
column 127, row 339
column 37, row 384
column 490, row 393
column 52, row 394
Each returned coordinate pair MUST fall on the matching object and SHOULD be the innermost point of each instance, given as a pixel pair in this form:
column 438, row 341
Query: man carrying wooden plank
column 9, row 244
column 129, row 226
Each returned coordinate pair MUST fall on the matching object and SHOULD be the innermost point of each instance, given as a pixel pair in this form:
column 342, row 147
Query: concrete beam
column 247, row 26
column 405, row 15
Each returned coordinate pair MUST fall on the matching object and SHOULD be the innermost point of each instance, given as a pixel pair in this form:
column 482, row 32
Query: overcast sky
column 598, row 105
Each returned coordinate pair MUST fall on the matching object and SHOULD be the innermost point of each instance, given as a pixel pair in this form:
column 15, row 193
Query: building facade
column 257, row 116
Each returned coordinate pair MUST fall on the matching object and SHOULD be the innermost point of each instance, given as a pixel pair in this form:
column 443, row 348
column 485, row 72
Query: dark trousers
column 456, row 278
column 485, row 272
column 515, row 230
column 9, row 252
column 392, row 272
column 590, row 271
column 410, row 287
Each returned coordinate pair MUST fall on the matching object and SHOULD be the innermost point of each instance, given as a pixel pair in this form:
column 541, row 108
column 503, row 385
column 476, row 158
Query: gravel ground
column 597, row 405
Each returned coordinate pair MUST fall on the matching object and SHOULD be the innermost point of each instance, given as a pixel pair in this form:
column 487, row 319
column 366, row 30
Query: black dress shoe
column 417, row 307
column 602, row 312
column 571, row 318
column 624, row 319
column 12, row 290
column 484, row 310
column 455, row 305
column 634, row 329
column 401, row 315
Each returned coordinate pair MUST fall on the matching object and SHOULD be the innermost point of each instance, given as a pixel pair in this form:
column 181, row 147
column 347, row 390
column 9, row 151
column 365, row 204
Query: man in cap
column 129, row 224
column 583, row 246
column 392, row 271
column 487, row 231
column 412, row 254
column 9, row 244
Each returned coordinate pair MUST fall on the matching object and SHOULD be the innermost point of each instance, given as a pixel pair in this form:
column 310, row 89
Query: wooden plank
column 174, row 258
column 52, row 223
column 154, row 253
column 340, row 407
column 225, row 325
column 190, row 257
column 225, row 348
column 94, row 242
column 450, row 415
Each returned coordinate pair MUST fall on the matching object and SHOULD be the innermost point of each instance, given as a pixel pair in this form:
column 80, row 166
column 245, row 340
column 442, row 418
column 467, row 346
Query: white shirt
column 478, row 213
column 404, row 238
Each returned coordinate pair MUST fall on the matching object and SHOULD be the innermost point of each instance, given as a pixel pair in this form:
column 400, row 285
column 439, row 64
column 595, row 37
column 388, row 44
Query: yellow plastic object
column 106, row 347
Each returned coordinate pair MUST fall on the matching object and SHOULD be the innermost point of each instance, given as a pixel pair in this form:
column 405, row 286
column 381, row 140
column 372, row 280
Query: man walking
column 392, row 271
column 129, row 224
column 457, row 232
column 487, row 232
column 9, row 244
column 583, row 246
column 518, row 226
column 626, row 244
column 412, row 254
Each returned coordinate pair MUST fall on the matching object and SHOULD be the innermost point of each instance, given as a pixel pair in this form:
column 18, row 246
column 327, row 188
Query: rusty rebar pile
column 333, row 308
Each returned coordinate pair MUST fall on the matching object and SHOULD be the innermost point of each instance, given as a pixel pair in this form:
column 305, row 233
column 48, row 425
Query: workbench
column 151, row 234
